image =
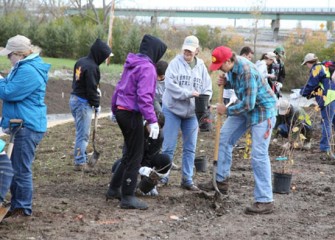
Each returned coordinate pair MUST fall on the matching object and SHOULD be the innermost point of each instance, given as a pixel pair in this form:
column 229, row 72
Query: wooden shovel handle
column 218, row 126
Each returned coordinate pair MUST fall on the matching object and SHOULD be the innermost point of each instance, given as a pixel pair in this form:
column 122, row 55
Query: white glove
column 97, row 110
column 154, row 130
column 145, row 171
column 99, row 92
column 233, row 99
column 112, row 117
column 333, row 76
column 278, row 86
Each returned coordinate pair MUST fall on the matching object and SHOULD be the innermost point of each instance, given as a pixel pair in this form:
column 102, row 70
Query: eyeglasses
column 10, row 55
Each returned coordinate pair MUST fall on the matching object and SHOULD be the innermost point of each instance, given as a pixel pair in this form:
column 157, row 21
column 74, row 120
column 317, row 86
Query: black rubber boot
column 113, row 193
column 132, row 202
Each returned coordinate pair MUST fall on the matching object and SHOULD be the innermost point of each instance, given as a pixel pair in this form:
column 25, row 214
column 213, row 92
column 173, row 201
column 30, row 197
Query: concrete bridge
column 275, row 14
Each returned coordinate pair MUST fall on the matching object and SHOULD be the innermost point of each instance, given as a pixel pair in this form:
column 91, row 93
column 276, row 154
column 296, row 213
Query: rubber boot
column 132, row 202
column 128, row 200
column 114, row 190
column 113, row 193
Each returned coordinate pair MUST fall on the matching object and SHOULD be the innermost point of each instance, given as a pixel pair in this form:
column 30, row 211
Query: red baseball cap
column 219, row 56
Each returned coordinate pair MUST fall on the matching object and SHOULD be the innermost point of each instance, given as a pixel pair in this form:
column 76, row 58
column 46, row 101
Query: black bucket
column 146, row 184
column 282, row 183
column 206, row 122
column 200, row 164
column 201, row 103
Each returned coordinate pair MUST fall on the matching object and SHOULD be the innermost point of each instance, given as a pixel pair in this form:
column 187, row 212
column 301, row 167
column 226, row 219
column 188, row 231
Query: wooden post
column 110, row 29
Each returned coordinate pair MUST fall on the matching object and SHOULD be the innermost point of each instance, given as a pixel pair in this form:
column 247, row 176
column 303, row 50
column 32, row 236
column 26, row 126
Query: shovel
column 217, row 140
column 93, row 159
column 14, row 126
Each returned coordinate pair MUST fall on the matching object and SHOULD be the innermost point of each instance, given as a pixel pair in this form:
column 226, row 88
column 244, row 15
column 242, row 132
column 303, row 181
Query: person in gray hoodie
column 185, row 79
column 133, row 100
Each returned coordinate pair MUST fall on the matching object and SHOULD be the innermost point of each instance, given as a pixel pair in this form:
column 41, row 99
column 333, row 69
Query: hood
column 134, row 60
column 99, row 51
column 36, row 62
column 153, row 47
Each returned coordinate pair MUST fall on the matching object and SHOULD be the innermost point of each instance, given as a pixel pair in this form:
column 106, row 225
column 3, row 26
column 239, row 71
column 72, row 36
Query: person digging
column 255, row 109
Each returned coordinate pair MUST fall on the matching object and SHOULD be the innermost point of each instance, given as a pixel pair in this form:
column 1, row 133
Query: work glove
column 233, row 99
column 145, row 171
column 97, row 110
column 333, row 76
column 112, row 117
column 154, row 130
column 99, row 92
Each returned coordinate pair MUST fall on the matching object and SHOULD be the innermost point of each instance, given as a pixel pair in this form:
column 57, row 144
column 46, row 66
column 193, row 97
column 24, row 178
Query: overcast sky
column 230, row 3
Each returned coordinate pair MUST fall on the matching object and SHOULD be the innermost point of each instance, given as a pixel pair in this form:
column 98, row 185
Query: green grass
column 112, row 71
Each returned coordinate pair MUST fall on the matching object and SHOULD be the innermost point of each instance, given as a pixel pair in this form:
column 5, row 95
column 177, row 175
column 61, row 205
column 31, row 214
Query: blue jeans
column 327, row 115
column 189, row 129
column 82, row 113
column 23, row 155
column 233, row 128
column 6, row 175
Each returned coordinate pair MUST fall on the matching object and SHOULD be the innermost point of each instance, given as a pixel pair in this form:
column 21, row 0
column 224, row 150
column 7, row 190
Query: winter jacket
column 23, row 92
column 319, row 85
column 86, row 74
column 136, row 89
column 181, row 81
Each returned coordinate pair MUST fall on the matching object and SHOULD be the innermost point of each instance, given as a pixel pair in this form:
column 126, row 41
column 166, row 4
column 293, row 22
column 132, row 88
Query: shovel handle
column 218, row 127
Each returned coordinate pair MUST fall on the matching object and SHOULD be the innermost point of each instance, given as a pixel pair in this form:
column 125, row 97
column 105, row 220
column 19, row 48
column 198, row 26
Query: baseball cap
column 18, row 43
column 272, row 56
column 309, row 57
column 219, row 56
column 283, row 106
column 191, row 43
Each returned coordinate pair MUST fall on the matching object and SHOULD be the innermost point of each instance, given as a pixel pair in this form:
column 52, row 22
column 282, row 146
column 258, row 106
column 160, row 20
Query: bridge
column 274, row 14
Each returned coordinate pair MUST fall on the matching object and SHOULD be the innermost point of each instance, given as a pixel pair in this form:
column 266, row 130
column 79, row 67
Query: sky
column 330, row 4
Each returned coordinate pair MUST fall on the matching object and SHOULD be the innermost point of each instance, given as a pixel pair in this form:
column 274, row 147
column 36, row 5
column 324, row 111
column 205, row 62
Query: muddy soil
column 72, row 205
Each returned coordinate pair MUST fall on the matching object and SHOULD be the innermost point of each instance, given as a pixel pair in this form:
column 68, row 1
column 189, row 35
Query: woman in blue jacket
column 23, row 92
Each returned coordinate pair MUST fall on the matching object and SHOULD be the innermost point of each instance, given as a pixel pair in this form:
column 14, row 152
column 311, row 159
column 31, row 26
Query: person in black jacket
column 85, row 97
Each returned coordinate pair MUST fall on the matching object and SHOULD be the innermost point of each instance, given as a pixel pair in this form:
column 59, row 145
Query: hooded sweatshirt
column 136, row 89
column 180, row 82
column 86, row 74
column 23, row 92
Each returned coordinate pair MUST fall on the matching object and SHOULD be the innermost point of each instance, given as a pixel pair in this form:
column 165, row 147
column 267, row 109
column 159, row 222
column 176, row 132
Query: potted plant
column 282, row 174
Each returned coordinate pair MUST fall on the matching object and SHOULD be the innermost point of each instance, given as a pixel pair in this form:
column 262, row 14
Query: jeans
column 82, row 113
column 189, row 129
column 6, row 175
column 233, row 128
column 327, row 115
column 22, row 158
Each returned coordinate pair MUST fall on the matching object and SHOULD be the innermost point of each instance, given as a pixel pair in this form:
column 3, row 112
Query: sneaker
column 327, row 156
column 222, row 186
column 4, row 208
column 17, row 215
column 260, row 208
column 192, row 187
column 175, row 167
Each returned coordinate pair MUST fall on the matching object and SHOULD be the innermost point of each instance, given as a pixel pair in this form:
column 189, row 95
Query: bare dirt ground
column 72, row 205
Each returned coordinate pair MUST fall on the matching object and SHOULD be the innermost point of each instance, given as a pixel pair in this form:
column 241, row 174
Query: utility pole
column 110, row 29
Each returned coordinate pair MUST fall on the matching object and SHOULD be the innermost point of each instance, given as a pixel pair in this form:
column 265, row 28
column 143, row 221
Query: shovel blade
column 93, row 159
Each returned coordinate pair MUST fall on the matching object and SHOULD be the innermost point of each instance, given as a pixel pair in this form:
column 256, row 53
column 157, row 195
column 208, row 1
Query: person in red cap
column 256, row 110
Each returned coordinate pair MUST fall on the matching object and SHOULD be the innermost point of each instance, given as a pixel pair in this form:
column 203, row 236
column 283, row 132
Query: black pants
column 125, row 176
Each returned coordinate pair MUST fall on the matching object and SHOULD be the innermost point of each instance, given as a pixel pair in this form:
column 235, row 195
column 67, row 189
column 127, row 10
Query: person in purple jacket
column 132, row 101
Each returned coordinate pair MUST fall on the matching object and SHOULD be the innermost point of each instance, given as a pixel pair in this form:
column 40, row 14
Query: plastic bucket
column 146, row 184
column 201, row 103
column 200, row 164
column 282, row 183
